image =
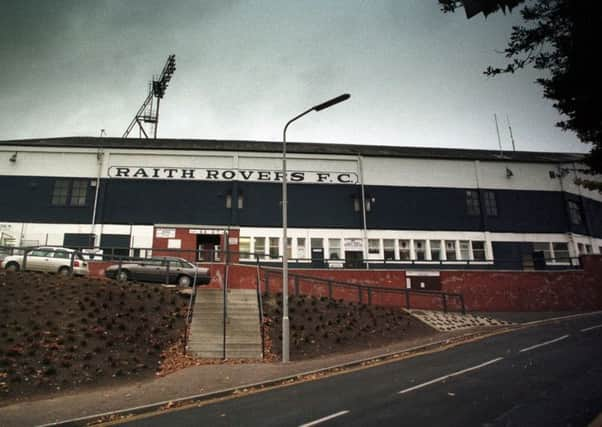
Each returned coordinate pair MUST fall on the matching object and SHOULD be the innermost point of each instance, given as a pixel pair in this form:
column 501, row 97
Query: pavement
column 218, row 380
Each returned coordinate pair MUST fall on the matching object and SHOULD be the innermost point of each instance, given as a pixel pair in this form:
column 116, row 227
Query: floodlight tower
column 149, row 111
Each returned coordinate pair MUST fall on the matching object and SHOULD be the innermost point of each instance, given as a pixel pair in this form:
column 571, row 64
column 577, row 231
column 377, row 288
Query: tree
column 561, row 38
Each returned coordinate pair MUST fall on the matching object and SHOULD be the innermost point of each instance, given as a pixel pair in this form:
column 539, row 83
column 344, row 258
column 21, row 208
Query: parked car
column 48, row 259
column 160, row 270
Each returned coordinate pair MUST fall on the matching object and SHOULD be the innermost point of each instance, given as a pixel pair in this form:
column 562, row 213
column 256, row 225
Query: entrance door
column 354, row 259
column 209, row 246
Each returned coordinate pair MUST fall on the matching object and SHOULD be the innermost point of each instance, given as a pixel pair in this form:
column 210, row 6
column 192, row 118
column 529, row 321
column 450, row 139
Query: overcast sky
column 244, row 68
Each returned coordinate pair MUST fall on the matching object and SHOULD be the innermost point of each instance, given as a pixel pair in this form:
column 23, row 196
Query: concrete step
column 243, row 338
column 206, row 354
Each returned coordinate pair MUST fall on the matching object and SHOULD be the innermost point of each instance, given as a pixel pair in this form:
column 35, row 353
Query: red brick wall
column 188, row 245
column 482, row 290
column 529, row 291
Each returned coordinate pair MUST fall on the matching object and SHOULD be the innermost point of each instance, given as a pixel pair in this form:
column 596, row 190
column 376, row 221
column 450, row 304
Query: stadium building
column 399, row 207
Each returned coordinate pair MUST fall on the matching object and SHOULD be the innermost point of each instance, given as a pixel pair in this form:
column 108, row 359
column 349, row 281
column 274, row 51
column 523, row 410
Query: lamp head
column 332, row 102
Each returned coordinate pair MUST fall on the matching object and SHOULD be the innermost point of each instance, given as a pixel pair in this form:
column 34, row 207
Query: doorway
column 209, row 246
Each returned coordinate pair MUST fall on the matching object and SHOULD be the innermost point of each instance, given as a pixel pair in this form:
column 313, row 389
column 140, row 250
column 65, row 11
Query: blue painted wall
column 27, row 199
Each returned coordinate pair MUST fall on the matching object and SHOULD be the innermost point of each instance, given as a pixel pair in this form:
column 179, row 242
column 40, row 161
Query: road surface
column 548, row 375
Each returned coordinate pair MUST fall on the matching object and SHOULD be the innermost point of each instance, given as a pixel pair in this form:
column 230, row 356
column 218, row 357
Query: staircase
column 243, row 336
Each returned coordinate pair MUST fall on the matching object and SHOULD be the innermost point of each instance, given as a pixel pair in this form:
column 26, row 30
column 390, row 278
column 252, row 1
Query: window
column 588, row 249
column 389, row 249
column 67, row 192
column 61, row 254
column 289, row 247
column 260, row 246
column 574, row 213
column 374, row 246
column 478, row 250
column 228, row 201
column 60, row 192
column 274, row 247
column 450, row 250
column 240, row 200
column 334, row 248
column 301, row 248
column 580, row 248
column 114, row 246
column 561, row 251
column 420, row 249
column 543, row 247
column 244, row 247
column 404, row 250
column 81, row 240
column 490, row 203
column 41, row 253
column 464, row 250
column 435, row 250
column 472, row 202
column 316, row 243
column 357, row 204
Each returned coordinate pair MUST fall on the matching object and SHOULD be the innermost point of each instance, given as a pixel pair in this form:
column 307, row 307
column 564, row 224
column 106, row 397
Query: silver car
column 160, row 270
column 48, row 259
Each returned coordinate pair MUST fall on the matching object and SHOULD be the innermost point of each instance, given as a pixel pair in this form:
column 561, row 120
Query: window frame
column 476, row 251
column 472, row 203
column 575, row 214
column 490, row 203
column 74, row 193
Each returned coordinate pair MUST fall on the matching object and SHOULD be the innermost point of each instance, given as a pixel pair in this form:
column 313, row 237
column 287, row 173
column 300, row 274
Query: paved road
column 548, row 375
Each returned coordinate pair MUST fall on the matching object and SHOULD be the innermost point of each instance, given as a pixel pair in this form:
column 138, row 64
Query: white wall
column 82, row 162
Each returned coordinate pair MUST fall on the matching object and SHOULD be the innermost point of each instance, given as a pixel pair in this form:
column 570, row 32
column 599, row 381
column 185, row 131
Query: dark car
column 160, row 270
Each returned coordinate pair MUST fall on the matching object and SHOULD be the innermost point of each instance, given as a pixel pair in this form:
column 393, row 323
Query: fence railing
column 367, row 291
column 218, row 256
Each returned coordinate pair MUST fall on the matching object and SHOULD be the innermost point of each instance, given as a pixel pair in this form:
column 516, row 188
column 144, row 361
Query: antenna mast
column 511, row 136
column 499, row 141
column 149, row 111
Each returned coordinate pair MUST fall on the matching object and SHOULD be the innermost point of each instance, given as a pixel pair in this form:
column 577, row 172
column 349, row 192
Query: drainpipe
column 365, row 229
column 99, row 159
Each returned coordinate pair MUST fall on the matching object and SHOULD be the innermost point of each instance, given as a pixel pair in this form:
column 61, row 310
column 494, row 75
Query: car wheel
column 12, row 266
column 64, row 271
column 184, row 281
column 122, row 276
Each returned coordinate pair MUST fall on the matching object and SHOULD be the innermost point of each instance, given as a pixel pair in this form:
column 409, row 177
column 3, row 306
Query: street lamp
column 285, row 319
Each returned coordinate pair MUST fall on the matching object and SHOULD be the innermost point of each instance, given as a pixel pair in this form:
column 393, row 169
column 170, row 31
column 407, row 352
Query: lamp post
column 285, row 319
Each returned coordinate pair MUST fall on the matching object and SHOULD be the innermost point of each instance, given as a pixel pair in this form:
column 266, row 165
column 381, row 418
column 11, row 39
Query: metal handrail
column 369, row 289
column 251, row 257
column 260, row 304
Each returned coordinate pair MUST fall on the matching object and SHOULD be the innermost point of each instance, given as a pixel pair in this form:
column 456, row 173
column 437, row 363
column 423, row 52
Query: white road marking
column 590, row 328
column 453, row 374
column 544, row 343
column 321, row 420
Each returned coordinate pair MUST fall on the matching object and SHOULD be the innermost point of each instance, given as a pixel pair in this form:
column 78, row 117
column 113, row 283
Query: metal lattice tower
column 148, row 113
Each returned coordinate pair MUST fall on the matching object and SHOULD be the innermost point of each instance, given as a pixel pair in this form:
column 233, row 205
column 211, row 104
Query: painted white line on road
column 453, row 374
column 591, row 328
column 321, row 420
column 544, row 343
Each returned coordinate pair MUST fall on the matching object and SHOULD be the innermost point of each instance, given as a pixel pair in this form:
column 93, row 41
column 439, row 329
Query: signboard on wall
column 174, row 244
column 165, row 233
column 353, row 245
column 250, row 175
column 205, row 231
